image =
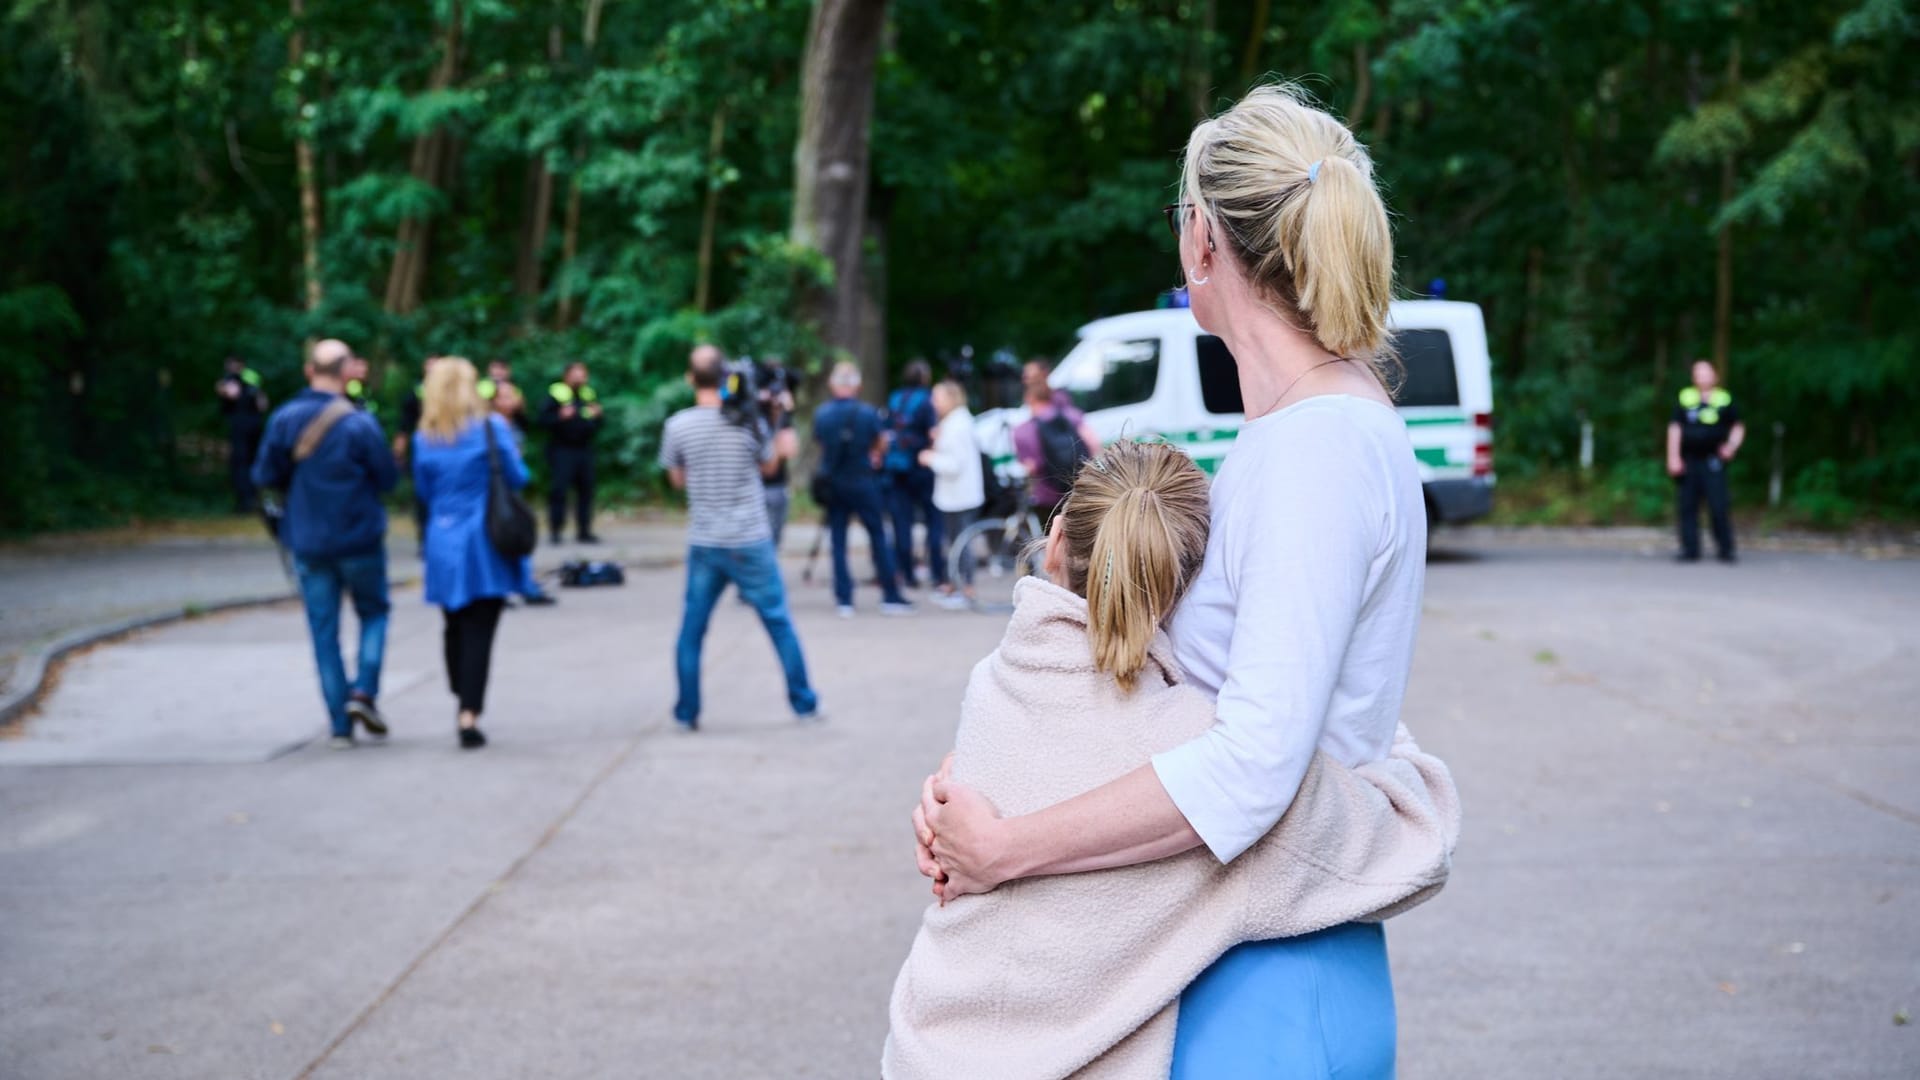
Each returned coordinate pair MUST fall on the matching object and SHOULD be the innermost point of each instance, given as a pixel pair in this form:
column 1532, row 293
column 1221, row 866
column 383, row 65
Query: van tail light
column 1483, row 444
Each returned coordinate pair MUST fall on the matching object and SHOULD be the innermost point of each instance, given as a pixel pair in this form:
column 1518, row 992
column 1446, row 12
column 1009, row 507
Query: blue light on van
column 1173, row 298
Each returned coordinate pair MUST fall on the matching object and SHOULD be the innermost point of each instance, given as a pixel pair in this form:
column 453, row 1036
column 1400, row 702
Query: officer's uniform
column 356, row 391
column 245, row 423
column 1706, row 423
column 570, row 457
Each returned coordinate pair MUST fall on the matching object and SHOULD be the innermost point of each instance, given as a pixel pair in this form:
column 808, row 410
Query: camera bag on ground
column 580, row 574
column 510, row 523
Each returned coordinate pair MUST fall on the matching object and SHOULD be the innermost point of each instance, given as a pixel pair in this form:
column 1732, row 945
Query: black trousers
column 468, row 642
column 570, row 468
column 243, row 443
column 1704, row 478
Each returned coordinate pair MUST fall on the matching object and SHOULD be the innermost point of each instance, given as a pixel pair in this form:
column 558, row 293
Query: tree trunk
column 1723, row 269
column 1199, row 69
column 830, row 158
column 873, row 300
column 1362, row 87
column 303, row 164
column 538, row 214
column 431, row 162
column 570, row 226
column 1256, row 37
column 710, row 217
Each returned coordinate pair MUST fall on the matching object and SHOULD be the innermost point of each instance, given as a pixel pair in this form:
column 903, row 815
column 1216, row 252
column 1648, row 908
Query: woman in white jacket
column 959, row 481
column 1301, row 623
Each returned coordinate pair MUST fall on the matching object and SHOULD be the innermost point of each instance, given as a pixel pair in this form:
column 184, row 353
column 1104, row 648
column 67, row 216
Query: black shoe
column 1729, row 558
column 540, row 599
column 1685, row 558
column 588, row 538
column 362, row 709
column 472, row 738
column 556, row 540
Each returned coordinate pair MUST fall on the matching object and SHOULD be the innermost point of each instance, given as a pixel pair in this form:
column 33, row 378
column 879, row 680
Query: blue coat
column 333, row 497
column 452, row 479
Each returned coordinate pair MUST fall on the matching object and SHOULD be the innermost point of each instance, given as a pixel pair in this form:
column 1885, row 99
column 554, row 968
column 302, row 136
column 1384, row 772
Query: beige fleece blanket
column 1081, row 974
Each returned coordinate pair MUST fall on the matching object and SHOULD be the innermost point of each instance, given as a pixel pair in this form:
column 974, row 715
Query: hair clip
column 1313, row 172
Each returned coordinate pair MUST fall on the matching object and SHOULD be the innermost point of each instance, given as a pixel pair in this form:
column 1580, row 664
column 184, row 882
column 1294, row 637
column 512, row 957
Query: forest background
column 1621, row 186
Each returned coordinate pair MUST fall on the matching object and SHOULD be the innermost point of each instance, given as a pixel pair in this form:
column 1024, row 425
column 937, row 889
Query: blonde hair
column 450, row 402
column 1291, row 190
column 1136, row 532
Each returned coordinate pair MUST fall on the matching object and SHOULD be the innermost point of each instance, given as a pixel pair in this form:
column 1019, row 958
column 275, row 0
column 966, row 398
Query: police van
column 1156, row 373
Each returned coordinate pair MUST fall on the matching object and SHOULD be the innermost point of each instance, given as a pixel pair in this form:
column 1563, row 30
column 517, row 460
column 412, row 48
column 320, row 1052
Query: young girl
column 959, row 481
column 1048, row 976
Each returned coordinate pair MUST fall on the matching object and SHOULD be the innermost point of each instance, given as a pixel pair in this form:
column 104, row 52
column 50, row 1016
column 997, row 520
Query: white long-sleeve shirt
column 1302, row 620
column 958, row 482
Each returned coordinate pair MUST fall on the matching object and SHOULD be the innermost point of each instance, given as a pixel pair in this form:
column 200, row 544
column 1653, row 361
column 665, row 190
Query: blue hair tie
column 1313, row 172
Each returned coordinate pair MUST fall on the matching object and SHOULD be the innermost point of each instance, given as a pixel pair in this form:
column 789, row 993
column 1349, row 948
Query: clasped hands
column 959, row 838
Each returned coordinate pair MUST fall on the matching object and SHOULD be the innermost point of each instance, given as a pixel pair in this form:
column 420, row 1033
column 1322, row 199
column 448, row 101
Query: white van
column 1157, row 373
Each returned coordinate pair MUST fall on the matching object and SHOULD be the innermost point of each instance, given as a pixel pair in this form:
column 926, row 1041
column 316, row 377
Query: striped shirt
column 726, row 503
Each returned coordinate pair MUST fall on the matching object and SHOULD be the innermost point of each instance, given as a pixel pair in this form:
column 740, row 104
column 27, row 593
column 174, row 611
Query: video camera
column 755, row 390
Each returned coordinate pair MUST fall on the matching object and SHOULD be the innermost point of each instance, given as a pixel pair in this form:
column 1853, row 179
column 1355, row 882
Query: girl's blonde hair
column 1291, row 190
column 1136, row 533
column 450, row 402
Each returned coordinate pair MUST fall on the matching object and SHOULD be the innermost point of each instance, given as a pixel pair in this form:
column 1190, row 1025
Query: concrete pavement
column 1692, row 844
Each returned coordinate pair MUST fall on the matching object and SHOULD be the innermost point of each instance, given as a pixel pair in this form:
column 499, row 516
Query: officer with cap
column 571, row 418
column 244, row 403
column 1702, row 438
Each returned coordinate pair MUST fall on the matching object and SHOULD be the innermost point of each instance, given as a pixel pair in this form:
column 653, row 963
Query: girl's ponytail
column 1136, row 533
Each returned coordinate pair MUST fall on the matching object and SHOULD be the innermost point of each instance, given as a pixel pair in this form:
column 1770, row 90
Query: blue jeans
column 756, row 573
column 862, row 503
column 322, row 581
column 1314, row 1007
column 911, row 494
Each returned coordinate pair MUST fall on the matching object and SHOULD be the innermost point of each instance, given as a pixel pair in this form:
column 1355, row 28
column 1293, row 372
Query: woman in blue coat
column 466, row 576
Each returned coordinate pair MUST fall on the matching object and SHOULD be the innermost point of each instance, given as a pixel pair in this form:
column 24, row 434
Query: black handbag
column 510, row 523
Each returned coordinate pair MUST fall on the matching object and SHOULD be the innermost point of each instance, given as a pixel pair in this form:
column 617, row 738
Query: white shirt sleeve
column 1297, row 550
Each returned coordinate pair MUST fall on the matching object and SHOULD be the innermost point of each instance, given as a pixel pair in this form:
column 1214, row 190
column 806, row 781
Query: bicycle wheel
column 1002, row 551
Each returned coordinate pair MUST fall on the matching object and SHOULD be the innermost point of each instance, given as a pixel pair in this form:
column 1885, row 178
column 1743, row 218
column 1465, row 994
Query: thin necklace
column 1294, row 383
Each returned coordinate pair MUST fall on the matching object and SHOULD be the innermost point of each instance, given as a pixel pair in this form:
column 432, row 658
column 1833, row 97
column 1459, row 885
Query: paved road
column 1692, row 844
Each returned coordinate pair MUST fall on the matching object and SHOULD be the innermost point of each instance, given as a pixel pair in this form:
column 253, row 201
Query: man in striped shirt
column 720, row 464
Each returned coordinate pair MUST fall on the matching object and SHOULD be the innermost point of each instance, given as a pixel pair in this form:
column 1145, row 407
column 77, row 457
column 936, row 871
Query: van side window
column 1113, row 373
column 1427, row 356
column 1219, row 378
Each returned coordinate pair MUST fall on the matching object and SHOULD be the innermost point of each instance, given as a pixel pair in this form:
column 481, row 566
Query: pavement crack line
column 473, row 908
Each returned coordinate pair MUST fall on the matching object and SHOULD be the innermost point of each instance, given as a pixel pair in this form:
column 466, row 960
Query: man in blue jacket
column 333, row 462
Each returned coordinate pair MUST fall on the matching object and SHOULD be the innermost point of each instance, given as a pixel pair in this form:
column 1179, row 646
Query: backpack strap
column 317, row 428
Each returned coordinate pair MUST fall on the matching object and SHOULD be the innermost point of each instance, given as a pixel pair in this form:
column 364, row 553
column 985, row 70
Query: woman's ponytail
column 1136, row 532
column 1342, row 256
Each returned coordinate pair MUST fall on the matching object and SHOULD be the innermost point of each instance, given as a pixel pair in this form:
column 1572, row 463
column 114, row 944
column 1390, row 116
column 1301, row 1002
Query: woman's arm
column 1130, row 820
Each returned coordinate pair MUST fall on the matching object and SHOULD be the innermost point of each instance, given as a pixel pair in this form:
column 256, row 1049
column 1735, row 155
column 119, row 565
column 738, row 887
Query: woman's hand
column 922, row 832
column 969, row 840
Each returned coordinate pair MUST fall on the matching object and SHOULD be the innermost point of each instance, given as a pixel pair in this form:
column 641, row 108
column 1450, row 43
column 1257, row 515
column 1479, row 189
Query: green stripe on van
column 1433, row 421
column 1435, row 456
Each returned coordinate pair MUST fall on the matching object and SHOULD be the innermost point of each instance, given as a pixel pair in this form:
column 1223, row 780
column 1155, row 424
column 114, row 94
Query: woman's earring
column 1192, row 280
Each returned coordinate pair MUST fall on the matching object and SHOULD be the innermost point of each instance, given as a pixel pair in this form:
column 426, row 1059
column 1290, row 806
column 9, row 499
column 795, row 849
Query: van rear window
column 1219, row 378
column 1427, row 356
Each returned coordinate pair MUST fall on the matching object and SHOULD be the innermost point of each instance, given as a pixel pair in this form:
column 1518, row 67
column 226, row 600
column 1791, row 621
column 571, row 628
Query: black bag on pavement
column 510, row 523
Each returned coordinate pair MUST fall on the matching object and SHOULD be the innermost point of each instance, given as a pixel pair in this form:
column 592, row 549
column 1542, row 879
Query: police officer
column 244, row 403
column 357, row 390
column 1702, row 438
column 571, row 418
column 499, row 392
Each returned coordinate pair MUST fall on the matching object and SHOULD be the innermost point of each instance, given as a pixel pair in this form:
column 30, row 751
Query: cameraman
column 722, row 461
column 776, row 404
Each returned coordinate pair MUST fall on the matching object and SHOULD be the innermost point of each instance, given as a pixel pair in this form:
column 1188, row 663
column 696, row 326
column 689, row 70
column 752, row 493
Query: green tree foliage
column 1562, row 165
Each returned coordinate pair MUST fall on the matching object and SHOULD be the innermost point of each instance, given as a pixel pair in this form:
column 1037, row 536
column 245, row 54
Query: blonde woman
column 466, row 576
column 1081, row 972
column 1301, row 622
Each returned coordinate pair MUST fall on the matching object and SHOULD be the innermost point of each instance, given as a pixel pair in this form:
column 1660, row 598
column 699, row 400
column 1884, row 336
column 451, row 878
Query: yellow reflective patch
column 1709, row 415
column 1690, row 398
column 485, row 388
column 587, row 394
column 1719, row 399
column 561, row 393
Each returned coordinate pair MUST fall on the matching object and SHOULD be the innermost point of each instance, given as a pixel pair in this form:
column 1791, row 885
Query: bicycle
column 1012, row 545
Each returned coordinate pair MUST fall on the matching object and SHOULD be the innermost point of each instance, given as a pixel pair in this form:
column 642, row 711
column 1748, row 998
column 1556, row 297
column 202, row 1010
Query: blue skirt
column 1318, row 1006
